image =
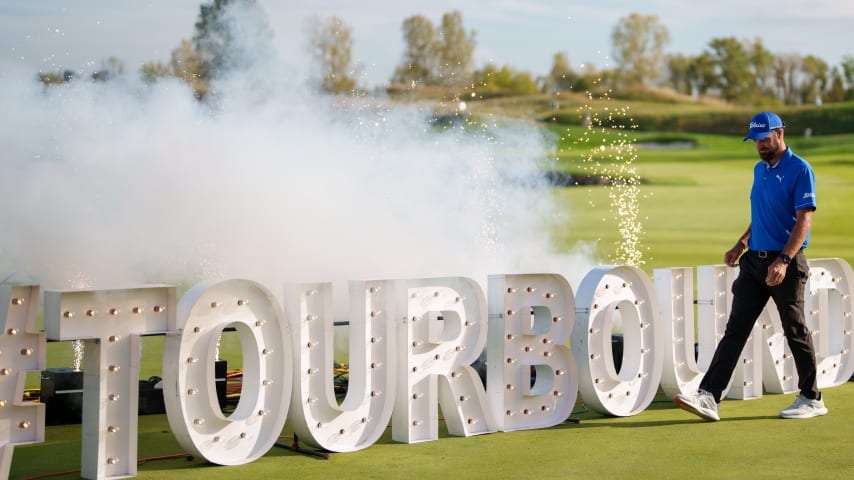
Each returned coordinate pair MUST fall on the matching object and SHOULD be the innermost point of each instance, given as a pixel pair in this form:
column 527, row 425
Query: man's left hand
column 776, row 273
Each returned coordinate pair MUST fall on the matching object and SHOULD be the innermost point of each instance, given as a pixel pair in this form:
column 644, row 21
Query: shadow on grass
column 690, row 419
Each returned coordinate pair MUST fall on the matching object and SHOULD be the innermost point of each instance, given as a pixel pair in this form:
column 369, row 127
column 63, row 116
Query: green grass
column 662, row 442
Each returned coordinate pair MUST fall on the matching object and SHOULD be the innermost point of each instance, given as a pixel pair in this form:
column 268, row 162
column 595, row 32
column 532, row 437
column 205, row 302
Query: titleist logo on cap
column 757, row 125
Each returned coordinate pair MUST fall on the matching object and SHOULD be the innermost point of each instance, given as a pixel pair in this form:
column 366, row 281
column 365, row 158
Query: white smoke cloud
column 117, row 183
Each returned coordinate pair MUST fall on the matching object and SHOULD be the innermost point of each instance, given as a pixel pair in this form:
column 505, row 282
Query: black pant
column 750, row 294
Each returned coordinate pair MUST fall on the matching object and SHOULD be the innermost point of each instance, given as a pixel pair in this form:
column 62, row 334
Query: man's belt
column 769, row 253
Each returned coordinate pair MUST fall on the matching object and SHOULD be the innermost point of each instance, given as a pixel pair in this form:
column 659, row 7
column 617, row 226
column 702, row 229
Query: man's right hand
column 731, row 256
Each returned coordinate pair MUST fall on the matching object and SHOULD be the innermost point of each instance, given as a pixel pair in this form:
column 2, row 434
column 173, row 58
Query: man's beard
column 767, row 155
column 770, row 153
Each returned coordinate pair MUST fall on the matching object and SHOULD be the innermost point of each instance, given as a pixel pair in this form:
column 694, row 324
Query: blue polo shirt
column 778, row 192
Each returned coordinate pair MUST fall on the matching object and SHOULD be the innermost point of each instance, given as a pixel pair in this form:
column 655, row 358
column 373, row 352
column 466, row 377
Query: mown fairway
column 694, row 202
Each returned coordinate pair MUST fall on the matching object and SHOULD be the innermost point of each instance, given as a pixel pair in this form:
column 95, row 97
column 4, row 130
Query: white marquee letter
column 608, row 295
column 675, row 288
column 189, row 388
column 364, row 415
column 110, row 322
column 21, row 349
column 828, row 311
column 530, row 321
column 778, row 367
column 714, row 302
column 443, row 333
column 766, row 360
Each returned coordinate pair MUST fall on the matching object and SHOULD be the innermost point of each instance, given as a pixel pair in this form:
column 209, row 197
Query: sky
column 51, row 35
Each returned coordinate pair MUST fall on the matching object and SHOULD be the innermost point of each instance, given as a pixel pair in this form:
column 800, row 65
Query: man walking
column 782, row 202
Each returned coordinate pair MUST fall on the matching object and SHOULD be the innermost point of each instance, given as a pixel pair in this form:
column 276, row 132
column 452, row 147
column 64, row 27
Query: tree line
column 442, row 55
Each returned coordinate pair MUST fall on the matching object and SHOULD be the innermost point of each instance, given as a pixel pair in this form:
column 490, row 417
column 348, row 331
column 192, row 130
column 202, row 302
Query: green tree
column 442, row 55
column 217, row 46
column 847, row 66
column 228, row 36
column 836, row 90
column 815, row 79
column 679, row 72
column 786, row 68
column 185, row 64
column 213, row 36
column 330, row 45
column 152, row 71
column 111, row 68
column 761, row 66
column 505, row 78
column 701, row 74
column 561, row 77
column 57, row 78
column 456, row 51
column 733, row 75
column 188, row 65
column 638, row 47
column 420, row 59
